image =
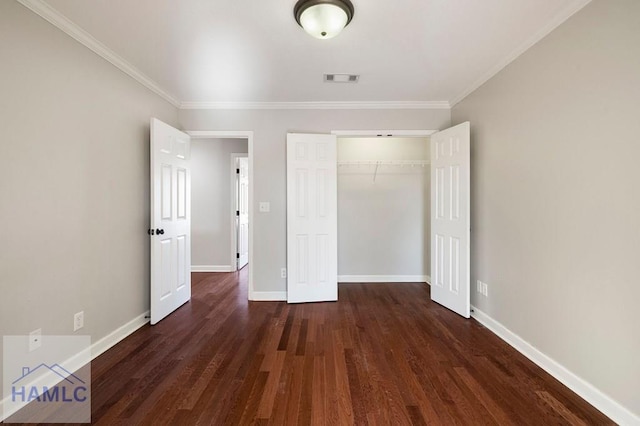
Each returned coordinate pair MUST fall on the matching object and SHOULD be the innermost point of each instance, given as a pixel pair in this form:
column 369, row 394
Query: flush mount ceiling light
column 323, row 19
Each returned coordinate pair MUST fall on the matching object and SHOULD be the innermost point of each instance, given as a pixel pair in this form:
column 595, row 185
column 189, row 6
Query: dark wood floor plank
column 265, row 409
column 559, row 408
column 344, row 404
column 294, row 391
column 383, row 354
column 513, row 401
column 305, row 409
column 319, row 392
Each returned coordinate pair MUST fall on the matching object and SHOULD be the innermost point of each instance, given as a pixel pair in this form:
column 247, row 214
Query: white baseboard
column 268, row 296
column 116, row 336
column 78, row 361
column 384, row 279
column 587, row 391
column 212, row 268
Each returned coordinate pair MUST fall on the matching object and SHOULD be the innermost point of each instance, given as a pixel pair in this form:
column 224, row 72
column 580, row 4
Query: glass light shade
column 323, row 21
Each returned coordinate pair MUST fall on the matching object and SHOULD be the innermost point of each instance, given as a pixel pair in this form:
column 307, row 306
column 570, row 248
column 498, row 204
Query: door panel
column 182, row 193
column 165, row 262
column 450, row 218
column 171, row 215
column 183, row 271
column 311, row 218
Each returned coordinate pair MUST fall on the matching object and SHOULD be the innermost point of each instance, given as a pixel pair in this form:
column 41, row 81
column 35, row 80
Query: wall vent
column 341, row 78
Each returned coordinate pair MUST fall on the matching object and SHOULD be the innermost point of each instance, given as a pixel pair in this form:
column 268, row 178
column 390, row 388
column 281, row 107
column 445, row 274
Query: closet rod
column 385, row 163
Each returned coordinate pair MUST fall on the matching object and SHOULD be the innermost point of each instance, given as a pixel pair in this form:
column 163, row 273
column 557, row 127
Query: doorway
column 312, row 228
column 227, row 217
column 383, row 200
column 450, row 216
column 311, row 175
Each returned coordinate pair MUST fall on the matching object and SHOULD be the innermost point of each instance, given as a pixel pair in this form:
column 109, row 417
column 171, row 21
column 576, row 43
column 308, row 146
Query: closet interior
column 383, row 209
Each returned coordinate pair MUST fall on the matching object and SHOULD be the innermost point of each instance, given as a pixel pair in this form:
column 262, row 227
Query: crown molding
column 57, row 19
column 384, row 133
column 54, row 17
column 318, row 105
column 560, row 17
column 44, row 10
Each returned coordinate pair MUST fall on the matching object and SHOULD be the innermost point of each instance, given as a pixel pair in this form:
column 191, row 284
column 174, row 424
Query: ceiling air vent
column 341, row 78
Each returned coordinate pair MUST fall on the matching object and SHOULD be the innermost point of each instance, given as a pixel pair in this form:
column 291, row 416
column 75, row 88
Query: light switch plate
column 78, row 321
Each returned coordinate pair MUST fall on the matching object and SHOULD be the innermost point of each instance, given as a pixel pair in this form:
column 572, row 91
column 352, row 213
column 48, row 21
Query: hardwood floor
column 384, row 354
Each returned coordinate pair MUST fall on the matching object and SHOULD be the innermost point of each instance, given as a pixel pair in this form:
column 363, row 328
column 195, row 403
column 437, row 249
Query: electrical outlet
column 482, row 288
column 78, row 321
column 283, row 273
column 35, row 339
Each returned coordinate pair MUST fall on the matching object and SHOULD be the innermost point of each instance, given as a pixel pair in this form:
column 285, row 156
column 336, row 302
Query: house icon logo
column 48, row 385
column 69, row 387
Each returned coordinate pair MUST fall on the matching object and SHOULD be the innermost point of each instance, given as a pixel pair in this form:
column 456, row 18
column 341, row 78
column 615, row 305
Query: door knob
column 160, row 231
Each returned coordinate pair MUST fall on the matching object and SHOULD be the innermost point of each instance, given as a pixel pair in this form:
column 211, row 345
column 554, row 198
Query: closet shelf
column 401, row 163
column 377, row 164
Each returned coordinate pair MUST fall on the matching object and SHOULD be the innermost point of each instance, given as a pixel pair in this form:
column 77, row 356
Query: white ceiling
column 253, row 50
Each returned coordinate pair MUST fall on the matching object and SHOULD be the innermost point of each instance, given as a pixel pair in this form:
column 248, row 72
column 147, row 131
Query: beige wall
column 270, row 130
column 556, row 196
column 211, row 200
column 74, row 185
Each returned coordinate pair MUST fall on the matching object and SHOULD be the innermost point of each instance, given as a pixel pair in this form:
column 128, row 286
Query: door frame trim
column 420, row 133
column 237, row 134
column 384, row 133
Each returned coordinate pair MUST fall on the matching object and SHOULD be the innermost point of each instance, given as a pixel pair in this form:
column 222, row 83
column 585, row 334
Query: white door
column 243, row 212
column 170, row 219
column 312, row 218
column 450, row 218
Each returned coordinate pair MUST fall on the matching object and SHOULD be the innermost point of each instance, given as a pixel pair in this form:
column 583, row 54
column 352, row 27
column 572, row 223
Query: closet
column 383, row 209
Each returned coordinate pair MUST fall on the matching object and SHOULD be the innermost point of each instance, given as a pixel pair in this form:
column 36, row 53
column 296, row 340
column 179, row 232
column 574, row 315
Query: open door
column 312, row 218
column 450, row 218
column 242, row 209
column 170, row 219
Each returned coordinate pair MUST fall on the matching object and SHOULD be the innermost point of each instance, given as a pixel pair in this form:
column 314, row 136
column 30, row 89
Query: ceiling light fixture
column 323, row 19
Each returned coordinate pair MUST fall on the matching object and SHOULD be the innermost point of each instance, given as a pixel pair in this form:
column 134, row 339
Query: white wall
column 211, row 202
column 74, row 182
column 270, row 128
column 383, row 225
column 556, row 196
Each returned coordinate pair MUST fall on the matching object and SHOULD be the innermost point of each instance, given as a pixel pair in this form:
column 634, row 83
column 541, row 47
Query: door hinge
column 237, row 171
column 151, row 231
column 237, row 255
column 237, row 212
